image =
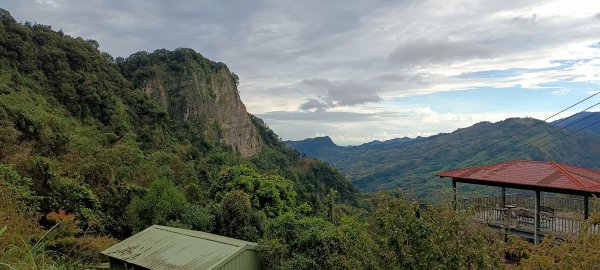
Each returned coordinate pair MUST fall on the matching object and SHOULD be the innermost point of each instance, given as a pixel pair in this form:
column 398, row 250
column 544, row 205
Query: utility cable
column 521, row 142
column 538, row 123
column 560, row 138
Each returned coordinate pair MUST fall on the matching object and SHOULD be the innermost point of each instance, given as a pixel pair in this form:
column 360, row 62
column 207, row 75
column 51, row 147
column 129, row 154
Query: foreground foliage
column 82, row 146
column 581, row 251
column 87, row 158
column 397, row 234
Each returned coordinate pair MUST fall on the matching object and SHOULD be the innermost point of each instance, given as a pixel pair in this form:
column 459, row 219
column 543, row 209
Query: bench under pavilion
column 511, row 210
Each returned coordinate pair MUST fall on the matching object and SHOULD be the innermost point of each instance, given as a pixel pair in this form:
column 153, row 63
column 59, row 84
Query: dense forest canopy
column 79, row 136
column 87, row 158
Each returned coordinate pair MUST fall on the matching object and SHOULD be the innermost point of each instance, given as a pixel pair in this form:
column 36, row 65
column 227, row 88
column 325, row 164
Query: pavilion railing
column 567, row 218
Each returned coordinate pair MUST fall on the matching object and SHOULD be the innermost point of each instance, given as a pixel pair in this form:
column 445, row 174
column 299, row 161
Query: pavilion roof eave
column 524, row 186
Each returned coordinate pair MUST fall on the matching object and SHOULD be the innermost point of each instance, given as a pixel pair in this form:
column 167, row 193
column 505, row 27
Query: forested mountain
column 319, row 146
column 312, row 146
column 390, row 141
column 154, row 138
column 93, row 149
column 413, row 164
column 195, row 91
column 580, row 121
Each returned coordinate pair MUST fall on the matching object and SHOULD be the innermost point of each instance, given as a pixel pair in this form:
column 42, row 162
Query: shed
column 160, row 247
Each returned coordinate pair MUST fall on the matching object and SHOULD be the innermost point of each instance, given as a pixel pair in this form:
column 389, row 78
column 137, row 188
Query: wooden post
column 586, row 207
column 536, row 236
column 331, row 195
column 454, row 191
column 503, row 197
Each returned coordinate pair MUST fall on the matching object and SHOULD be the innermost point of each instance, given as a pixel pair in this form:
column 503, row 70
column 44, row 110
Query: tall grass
column 29, row 256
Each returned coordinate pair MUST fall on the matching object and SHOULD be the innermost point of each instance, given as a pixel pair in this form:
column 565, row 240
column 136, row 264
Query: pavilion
column 535, row 176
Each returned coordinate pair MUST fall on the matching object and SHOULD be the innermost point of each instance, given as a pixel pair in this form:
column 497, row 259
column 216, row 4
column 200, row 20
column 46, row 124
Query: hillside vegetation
column 80, row 142
column 580, row 121
column 413, row 164
column 94, row 149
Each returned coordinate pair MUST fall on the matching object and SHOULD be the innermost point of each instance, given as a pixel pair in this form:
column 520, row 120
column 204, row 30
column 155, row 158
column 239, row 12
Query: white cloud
column 382, row 125
column 353, row 56
column 561, row 92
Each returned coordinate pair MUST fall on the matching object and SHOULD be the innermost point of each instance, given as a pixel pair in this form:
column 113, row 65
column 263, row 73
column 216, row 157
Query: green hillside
column 78, row 136
column 412, row 165
column 312, row 146
column 580, row 121
column 93, row 149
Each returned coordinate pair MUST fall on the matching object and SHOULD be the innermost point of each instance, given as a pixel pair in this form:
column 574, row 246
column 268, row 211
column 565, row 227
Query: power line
column 538, row 123
column 531, row 143
column 528, row 128
column 571, row 133
column 573, row 105
column 567, row 118
column 564, row 127
column 560, row 138
column 520, row 142
column 460, row 131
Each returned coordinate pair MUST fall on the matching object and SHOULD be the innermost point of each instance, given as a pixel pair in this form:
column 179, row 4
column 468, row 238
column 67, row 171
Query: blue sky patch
column 512, row 72
column 554, row 97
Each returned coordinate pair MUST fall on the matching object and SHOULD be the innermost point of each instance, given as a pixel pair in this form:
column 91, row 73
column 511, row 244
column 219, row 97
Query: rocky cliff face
column 190, row 87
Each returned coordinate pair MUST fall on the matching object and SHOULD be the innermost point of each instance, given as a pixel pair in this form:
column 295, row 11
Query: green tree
column 236, row 217
column 437, row 238
column 295, row 242
column 198, row 218
column 271, row 194
column 162, row 203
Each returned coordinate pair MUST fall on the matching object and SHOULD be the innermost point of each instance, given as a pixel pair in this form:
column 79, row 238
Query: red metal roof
column 551, row 176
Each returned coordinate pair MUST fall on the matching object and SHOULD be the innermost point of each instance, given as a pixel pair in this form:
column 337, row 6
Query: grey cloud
column 147, row 25
column 351, row 93
column 315, row 82
column 393, row 77
column 321, row 116
column 304, row 87
column 273, row 45
column 425, row 51
column 524, row 20
column 404, row 80
column 312, row 103
column 344, row 94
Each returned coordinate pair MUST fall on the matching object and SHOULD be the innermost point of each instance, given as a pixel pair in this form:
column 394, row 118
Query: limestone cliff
column 191, row 87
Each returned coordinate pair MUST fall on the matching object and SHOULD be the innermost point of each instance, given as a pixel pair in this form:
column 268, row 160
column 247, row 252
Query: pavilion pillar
column 536, row 235
column 586, row 207
column 454, row 193
column 503, row 197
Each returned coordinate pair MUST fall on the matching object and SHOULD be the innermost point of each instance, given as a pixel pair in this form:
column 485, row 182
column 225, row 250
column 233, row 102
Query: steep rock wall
column 194, row 88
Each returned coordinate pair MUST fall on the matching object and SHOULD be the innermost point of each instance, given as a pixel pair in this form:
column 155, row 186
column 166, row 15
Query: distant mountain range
column 320, row 145
column 312, row 146
column 582, row 120
column 412, row 163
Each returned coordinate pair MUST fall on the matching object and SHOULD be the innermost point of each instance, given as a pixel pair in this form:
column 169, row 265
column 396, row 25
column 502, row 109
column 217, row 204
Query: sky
column 359, row 71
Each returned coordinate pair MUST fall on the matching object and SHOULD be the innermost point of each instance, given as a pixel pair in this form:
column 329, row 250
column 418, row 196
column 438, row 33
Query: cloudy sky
column 364, row 70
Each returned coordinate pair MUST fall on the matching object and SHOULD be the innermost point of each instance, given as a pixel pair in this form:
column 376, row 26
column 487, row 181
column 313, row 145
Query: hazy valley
column 412, row 163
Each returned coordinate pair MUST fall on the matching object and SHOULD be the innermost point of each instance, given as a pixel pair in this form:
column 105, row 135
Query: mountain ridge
column 190, row 87
column 580, row 121
column 414, row 164
column 312, row 146
column 120, row 146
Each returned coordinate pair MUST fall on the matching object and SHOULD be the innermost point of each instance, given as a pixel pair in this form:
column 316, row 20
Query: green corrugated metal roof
column 160, row 247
